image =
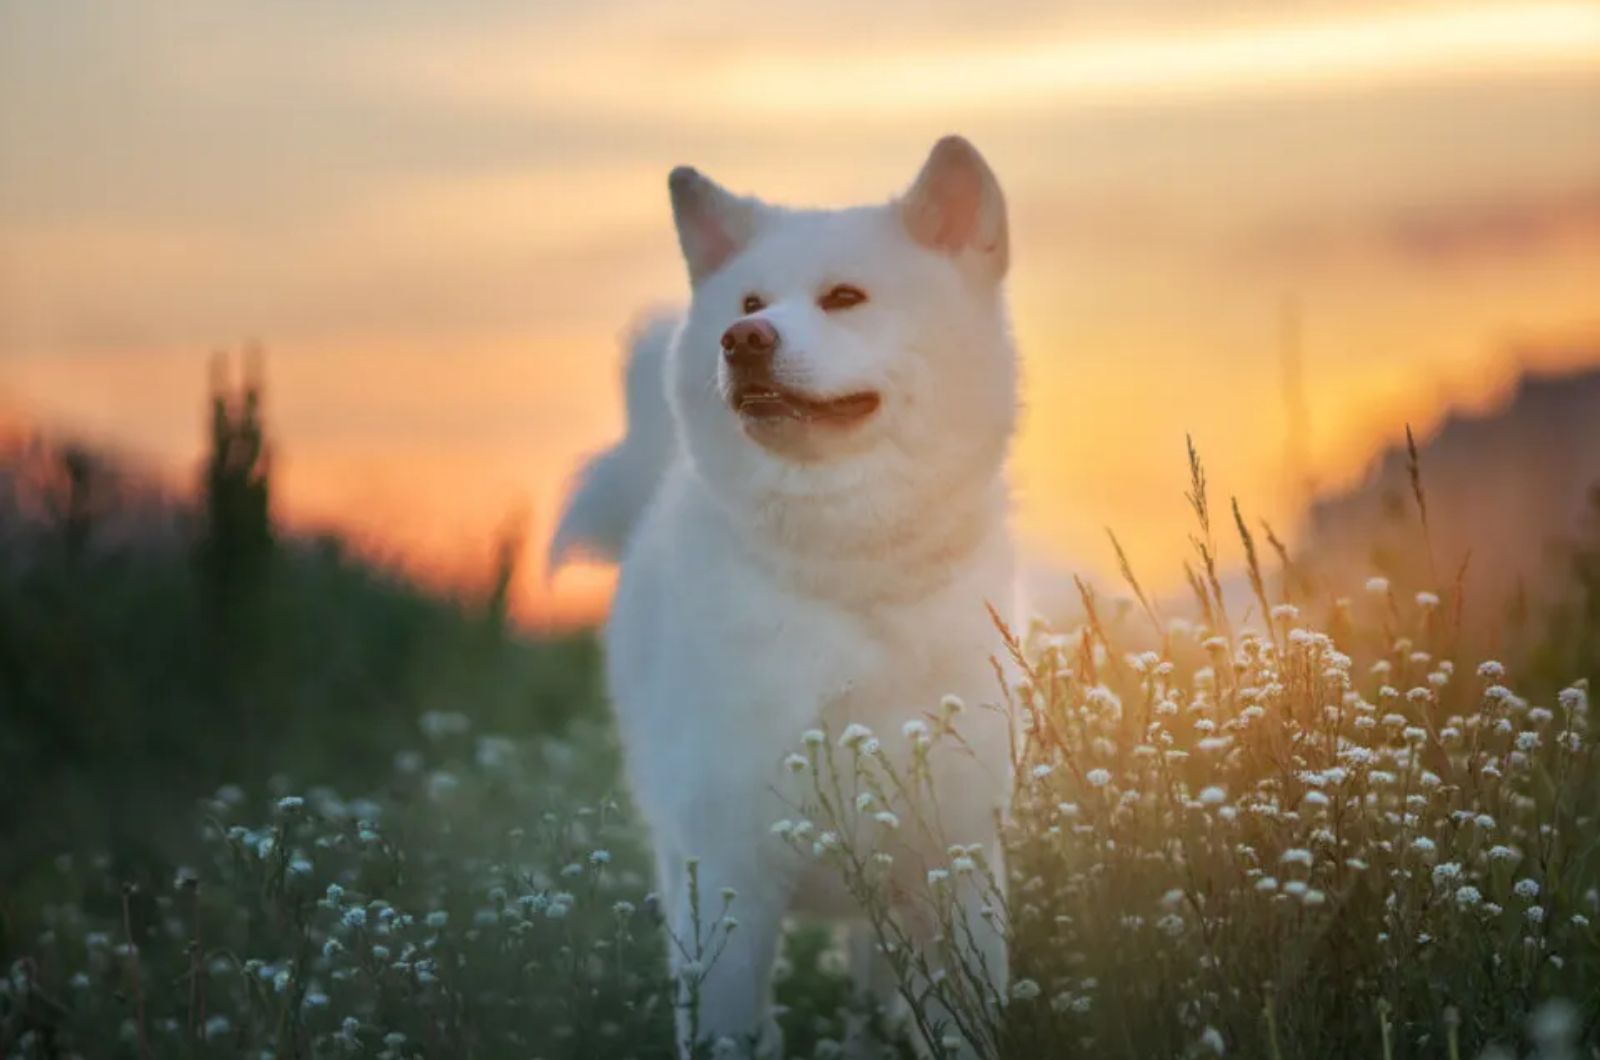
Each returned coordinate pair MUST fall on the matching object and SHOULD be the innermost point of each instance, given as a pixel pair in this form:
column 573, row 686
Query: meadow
column 264, row 798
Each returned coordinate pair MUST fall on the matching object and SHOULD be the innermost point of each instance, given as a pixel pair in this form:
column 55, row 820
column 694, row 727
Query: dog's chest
column 794, row 663
column 911, row 657
column 718, row 665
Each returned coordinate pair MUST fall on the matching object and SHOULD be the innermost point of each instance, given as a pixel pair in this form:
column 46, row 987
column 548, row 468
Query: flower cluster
column 481, row 914
column 1252, row 840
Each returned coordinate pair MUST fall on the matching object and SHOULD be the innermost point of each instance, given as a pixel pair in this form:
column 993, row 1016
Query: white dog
column 810, row 511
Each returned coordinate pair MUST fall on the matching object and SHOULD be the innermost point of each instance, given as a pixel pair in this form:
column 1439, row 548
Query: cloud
column 1502, row 227
column 1505, row 228
column 731, row 71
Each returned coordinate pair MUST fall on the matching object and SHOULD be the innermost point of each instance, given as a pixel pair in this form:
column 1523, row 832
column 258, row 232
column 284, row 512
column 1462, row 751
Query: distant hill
column 1515, row 486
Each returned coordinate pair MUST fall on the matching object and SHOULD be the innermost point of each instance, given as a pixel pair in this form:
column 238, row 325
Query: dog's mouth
column 764, row 401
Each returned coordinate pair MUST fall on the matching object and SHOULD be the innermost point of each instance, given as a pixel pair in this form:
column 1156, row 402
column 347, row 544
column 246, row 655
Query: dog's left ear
column 713, row 223
column 955, row 206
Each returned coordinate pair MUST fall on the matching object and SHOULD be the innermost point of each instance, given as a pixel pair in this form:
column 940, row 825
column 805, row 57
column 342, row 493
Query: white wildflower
column 442, row 784
column 1554, row 1027
column 855, row 734
column 437, row 724
column 1024, row 990
column 1102, row 698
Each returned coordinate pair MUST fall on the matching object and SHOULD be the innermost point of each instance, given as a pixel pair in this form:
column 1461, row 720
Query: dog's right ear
column 713, row 223
column 955, row 206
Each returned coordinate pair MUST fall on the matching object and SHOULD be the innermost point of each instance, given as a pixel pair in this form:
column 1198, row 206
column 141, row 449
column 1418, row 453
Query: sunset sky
column 438, row 218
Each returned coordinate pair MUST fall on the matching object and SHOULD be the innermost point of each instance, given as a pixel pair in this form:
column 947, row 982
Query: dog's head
column 828, row 352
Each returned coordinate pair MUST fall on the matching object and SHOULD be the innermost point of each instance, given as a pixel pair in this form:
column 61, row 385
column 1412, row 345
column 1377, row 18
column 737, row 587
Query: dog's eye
column 842, row 297
column 753, row 304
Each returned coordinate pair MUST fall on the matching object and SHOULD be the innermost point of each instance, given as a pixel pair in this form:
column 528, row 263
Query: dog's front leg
column 722, row 952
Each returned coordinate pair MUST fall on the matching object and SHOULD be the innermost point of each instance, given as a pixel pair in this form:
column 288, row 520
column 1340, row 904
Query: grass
column 490, row 899
column 1263, row 848
column 1316, row 828
column 418, row 922
column 1250, row 838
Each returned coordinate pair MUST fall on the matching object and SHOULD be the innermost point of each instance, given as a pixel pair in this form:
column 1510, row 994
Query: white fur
column 823, row 577
column 612, row 488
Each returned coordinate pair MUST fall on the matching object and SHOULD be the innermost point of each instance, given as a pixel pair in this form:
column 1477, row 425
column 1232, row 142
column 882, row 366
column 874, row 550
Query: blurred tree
column 508, row 547
column 77, row 504
column 236, row 542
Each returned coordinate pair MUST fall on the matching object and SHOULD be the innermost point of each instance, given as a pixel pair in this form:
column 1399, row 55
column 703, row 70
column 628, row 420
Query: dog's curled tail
column 611, row 489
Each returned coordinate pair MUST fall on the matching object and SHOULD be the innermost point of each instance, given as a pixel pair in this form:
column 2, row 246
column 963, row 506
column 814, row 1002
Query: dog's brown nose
column 750, row 343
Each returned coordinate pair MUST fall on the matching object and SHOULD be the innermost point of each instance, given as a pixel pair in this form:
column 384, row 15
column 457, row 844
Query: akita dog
column 810, row 510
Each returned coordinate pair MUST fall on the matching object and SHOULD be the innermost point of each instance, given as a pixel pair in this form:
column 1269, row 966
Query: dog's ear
column 955, row 206
column 713, row 223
